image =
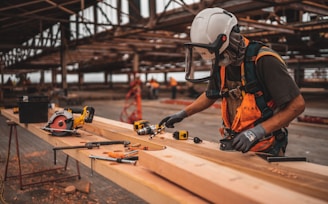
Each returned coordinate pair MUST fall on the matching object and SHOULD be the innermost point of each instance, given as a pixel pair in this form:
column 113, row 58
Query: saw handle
column 87, row 113
column 75, row 110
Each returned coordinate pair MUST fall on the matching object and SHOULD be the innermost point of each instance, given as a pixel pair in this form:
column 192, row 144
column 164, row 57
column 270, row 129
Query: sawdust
column 46, row 193
column 283, row 173
column 70, row 189
column 67, row 191
column 35, row 154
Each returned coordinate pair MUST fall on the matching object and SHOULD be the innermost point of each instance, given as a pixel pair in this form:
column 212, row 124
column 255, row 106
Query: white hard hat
column 211, row 22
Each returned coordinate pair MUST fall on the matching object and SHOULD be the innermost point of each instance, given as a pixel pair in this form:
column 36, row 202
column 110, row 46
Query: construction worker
column 259, row 97
column 154, row 86
column 173, row 85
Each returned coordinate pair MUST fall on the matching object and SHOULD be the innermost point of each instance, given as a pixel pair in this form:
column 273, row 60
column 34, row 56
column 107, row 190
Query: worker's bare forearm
column 200, row 104
column 285, row 116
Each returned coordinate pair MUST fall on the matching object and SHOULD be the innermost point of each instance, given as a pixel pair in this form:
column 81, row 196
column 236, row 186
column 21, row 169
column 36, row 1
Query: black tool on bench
column 90, row 145
column 271, row 158
column 285, row 159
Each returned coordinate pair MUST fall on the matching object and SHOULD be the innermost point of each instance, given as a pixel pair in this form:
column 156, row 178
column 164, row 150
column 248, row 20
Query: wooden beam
column 217, row 183
column 298, row 176
column 265, row 26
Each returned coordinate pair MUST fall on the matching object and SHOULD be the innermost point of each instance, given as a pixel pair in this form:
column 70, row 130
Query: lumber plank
column 135, row 179
column 293, row 176
column 309, row 167
column 218, row 184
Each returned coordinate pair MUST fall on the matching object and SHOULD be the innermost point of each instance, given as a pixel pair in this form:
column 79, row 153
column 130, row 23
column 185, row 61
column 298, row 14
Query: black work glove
column 175, row 118
column 245, row 140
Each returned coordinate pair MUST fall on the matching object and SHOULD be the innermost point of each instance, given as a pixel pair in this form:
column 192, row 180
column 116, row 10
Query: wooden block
column 82, row 185
column 70, row 189
column 217, row 183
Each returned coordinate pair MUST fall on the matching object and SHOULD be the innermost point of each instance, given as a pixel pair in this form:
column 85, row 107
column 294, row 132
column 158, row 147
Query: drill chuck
column 147, row 130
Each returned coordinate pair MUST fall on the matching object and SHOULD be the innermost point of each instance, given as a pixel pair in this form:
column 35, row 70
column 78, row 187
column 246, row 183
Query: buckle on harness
column 251, row 87
column 224, row 93
column 232, row 93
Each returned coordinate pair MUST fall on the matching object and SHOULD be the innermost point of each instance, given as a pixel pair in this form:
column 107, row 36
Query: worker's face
column 200, row 63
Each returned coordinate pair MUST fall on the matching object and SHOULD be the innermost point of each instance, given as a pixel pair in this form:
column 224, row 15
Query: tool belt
column 269, row 142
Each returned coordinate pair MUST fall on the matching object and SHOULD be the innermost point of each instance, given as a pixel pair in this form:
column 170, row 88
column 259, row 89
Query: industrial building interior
column 126, row 37
column 59, row 40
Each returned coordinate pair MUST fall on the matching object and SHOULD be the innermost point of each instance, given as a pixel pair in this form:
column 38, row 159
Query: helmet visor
column 198, row 64
column 201, row 59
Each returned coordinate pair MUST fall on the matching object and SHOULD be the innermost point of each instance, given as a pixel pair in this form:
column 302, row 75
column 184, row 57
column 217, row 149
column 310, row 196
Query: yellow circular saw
column 63, row 123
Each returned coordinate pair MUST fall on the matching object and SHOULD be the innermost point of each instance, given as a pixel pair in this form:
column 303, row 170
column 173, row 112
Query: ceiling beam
column 265, row 26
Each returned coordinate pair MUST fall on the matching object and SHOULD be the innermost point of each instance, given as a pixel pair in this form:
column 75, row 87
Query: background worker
column 154, row 86
column 173, row 85
column 256, row 107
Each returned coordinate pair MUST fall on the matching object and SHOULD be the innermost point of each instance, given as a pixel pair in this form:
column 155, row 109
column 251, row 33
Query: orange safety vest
column 248, row 112
column 154, row 84
column 173, row 82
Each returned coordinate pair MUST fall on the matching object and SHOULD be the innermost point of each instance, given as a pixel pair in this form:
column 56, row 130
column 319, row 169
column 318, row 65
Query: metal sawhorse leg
column 13, row 129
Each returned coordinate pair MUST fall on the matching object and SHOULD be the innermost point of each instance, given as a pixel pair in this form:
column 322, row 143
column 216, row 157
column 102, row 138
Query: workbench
column 179, row 171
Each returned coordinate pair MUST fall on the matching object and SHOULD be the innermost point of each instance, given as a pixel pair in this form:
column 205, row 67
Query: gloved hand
column 245, row 140
column 175, row 118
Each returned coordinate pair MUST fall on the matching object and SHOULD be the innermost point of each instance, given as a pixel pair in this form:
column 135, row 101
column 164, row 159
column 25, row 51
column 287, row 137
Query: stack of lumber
column 174, row 171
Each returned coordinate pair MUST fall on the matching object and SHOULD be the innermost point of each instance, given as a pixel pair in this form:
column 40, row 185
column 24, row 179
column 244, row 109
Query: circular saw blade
column 60, row 125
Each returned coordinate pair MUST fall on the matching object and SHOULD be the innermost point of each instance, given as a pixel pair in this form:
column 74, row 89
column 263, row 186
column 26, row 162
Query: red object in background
column 132, row 110
column 313, row 119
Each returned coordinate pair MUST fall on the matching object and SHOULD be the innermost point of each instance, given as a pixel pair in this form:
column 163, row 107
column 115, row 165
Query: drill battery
column 180, row 135
column 140, row 124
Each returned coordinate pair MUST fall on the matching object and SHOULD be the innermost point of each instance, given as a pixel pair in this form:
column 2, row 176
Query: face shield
column 202, row 59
